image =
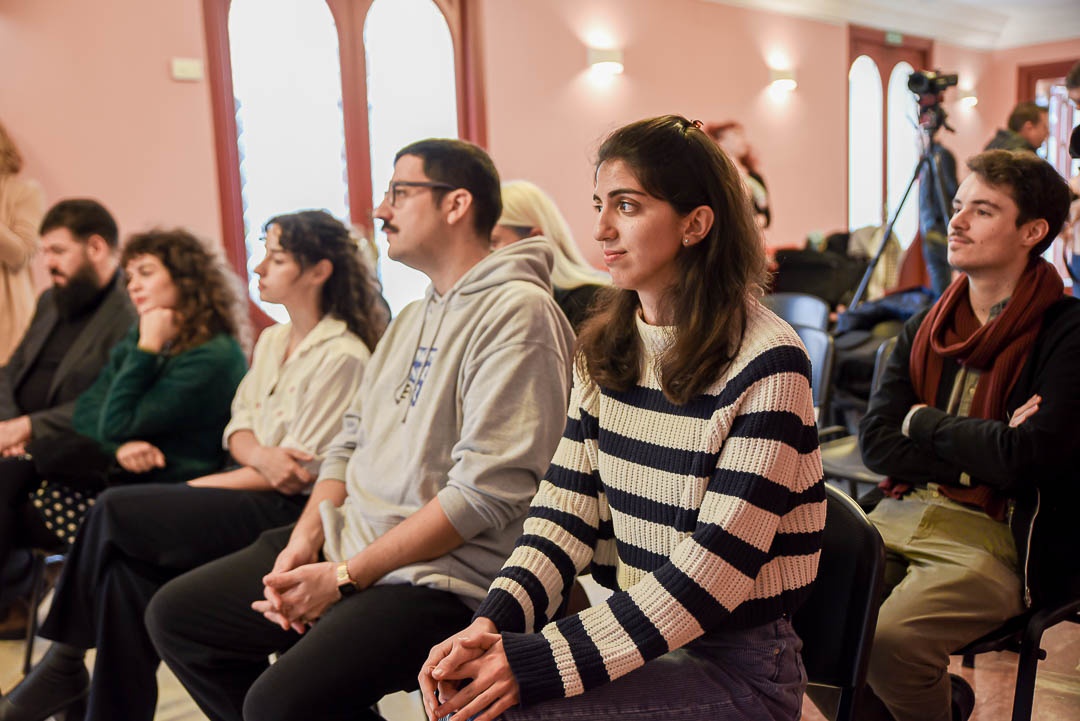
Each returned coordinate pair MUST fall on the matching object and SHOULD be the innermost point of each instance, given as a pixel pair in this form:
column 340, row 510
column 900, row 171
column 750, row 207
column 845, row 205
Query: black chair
column 837, row 621
column 799, row 309
column 819, row 347
column 1023, row 635
column 44, row 562
column 841, row 456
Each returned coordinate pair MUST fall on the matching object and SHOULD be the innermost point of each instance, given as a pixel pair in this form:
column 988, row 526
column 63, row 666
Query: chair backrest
column 837, row 621
column 819, row 347
column 799, row 309
column 881, row 359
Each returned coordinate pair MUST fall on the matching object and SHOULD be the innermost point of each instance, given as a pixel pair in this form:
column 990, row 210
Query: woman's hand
column 476, row 653
column 282, row 468
column 157, row 326
column 139, row 457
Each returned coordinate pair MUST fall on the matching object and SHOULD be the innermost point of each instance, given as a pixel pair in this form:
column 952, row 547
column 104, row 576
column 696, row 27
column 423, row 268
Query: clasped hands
column 476, row 654
column 298, row 589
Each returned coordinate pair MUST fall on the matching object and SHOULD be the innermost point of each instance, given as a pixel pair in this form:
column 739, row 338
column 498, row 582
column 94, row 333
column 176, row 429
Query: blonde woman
column 22, row 205
column 528, row 211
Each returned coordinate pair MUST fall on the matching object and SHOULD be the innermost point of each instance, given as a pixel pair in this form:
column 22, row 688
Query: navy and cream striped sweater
column 701, row 517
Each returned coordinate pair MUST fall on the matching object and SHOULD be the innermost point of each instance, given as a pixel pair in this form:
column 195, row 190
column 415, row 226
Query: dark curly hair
column 675, row 161
column 352, row 292
column 209, row 297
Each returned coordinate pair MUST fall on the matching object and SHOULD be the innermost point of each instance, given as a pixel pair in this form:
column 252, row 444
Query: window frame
column 462, row 19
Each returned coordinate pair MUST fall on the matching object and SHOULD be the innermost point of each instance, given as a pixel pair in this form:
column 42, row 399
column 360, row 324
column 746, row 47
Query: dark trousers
column 364, row 647
column 134, row 539
column 20, row 523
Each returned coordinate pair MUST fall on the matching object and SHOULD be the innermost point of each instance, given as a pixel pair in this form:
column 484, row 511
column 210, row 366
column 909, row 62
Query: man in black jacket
column 975, row 426
column 75, row 325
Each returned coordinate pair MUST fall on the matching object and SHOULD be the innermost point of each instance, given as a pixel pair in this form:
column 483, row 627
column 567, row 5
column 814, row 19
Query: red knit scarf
column 998, row 350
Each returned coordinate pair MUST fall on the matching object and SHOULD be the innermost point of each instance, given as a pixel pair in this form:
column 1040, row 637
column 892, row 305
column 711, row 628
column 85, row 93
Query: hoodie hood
column 529, row 260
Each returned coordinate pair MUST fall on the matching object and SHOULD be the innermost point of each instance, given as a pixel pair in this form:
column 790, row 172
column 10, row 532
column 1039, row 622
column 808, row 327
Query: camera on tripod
column 929, row 85
column 929, row 82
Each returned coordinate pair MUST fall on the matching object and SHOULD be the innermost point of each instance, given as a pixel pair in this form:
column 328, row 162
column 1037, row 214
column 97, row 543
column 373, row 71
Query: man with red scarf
column 976, row 426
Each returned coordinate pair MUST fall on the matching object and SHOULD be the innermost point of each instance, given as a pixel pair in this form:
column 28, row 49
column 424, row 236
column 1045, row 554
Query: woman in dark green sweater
column 156, row 411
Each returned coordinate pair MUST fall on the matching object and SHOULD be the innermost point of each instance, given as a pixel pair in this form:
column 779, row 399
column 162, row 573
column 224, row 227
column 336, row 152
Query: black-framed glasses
column 394, row 191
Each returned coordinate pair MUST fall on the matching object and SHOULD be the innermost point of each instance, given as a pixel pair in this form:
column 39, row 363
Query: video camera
column 929, row 85
column 930, row 82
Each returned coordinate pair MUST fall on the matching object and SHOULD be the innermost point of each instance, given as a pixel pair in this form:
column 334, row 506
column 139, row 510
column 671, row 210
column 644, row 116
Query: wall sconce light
column 606, row 61
column 781, row 81
column 968, row 99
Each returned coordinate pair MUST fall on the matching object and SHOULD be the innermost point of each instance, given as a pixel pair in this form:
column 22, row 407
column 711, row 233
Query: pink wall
column 703, row 60
column 92, row 105
column 87, row 94
column 992, row 75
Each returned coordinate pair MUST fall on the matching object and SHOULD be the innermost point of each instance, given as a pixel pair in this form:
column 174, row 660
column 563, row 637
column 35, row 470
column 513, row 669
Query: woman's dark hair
column 209, row 296
column 352, row 292
column 678, row 163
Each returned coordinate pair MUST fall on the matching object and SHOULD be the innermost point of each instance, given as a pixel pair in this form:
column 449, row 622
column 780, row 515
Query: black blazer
column 80, row 366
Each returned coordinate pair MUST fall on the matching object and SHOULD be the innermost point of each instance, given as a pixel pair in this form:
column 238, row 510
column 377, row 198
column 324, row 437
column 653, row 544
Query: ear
column 97, row 248
column 1033, row 231
column 697, row 224
column 456, row 205
column 321, row 271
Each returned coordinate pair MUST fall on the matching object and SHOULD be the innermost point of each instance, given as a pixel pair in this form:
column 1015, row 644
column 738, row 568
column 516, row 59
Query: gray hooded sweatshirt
column 464, row 399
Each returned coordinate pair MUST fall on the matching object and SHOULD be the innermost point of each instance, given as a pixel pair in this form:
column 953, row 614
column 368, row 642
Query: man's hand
column 14, row 434
column 139, row 457
column 1025, row 411
column 157, row 326
column 298, row 597
column 282, row 468
column 298, row 553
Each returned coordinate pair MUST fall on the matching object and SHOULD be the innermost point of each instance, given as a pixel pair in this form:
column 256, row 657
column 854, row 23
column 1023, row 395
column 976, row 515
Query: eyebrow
column 622, row 191
column 987, row 203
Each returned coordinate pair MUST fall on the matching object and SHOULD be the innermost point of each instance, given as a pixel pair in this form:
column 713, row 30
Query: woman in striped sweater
column 688, row 479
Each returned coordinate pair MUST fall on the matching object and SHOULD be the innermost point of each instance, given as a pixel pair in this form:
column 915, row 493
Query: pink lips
column 610, row 256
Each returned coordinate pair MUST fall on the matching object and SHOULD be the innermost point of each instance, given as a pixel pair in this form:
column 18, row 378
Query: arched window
column 883, row 133
column 903, row 154
column 864, row 144
column 339, row 177
column 407, row 100
column 290, row 131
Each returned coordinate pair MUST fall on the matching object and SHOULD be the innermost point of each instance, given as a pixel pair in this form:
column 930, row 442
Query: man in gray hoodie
column 424, row 491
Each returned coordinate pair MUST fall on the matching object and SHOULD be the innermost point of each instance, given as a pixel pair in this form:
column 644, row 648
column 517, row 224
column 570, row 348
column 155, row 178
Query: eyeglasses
column 395, row 192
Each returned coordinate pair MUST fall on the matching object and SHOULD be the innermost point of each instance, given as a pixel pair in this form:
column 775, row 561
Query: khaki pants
column 951, row 576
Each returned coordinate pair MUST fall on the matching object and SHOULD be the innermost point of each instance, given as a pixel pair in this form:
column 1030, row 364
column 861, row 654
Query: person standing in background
column 22, row 205
column 731, row 138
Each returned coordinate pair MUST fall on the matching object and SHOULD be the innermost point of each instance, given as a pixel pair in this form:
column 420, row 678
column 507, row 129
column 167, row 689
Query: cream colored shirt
column 299, row 403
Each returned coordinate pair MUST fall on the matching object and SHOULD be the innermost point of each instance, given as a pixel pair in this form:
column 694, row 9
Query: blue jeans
column 754, row 674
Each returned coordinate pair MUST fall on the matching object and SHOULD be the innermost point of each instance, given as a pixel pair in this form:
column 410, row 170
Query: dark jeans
column 754, row 674
column 134, row 539
column 365, row 647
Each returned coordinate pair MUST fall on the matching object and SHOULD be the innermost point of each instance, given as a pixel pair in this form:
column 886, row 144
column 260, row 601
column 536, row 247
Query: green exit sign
column 894, row 39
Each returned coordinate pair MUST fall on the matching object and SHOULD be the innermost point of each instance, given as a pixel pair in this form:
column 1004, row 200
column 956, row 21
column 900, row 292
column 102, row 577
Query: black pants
column 21, row 525
column 365, row 646
column 134, row 539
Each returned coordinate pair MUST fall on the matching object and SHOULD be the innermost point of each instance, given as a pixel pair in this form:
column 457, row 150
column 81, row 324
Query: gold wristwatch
column 346, row 585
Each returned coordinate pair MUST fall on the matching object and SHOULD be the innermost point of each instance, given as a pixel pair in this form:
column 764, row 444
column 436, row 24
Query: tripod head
column 932, row 116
